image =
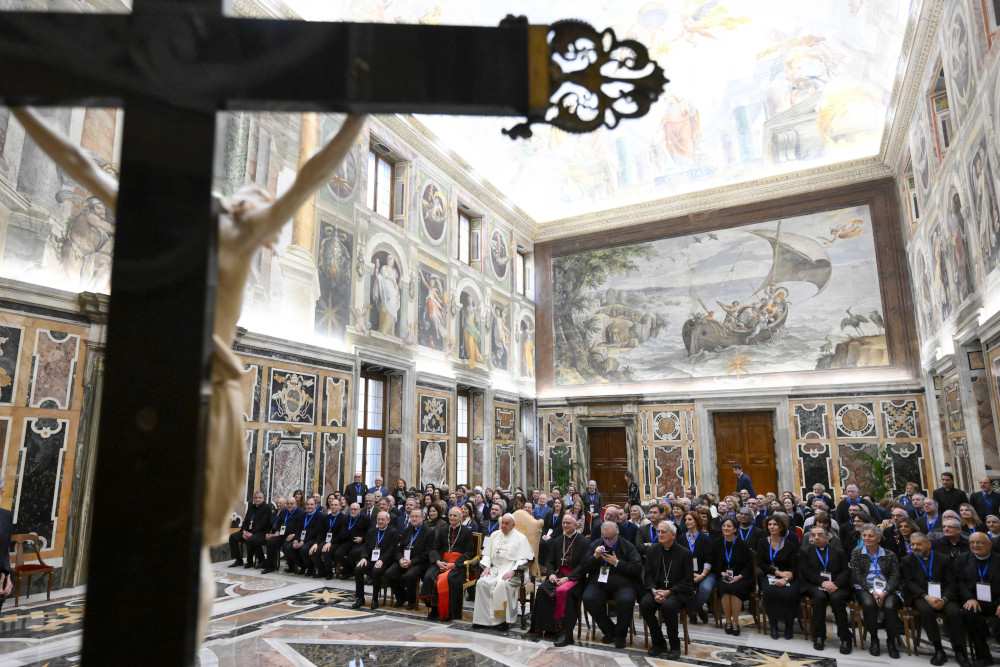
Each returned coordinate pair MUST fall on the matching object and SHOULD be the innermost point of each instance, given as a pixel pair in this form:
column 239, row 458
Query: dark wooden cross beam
column 172, row 65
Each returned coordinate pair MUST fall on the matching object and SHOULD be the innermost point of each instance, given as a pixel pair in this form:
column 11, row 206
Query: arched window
column 941, row 113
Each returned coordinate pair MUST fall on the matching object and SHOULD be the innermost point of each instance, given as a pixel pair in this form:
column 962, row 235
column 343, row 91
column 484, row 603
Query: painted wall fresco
column 435, row 420
column 41, row 395
column 790, row 295
column 798, row 85
column 827, row 434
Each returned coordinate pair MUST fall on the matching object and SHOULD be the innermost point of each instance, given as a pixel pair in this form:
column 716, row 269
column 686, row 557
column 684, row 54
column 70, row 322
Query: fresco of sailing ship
column 796, row 258
column 797, row 295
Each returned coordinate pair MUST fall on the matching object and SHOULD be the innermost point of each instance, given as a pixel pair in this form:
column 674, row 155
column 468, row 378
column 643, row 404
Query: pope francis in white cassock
column 496, row 589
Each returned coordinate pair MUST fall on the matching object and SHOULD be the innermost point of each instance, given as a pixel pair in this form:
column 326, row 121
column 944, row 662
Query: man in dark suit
column 381, row 545
column 953, row 542
column 6, row 532
column 826, row 575
column 986, row 501
column 442, row 587
column 282, row 532
column 412, row 558
column 614, row 572
column 404, row 518
column 379, row 487
column 311, row 528
column 949, row 497
column 979, row 590
column 252, row 531
column 746, row 531
column 929, row 586
column 356, row 492
column 743, row 480
column 349, row 551
column 852, row 498
column 669, row 579
column 323, row 551
column 646, row 535
column 629, row 531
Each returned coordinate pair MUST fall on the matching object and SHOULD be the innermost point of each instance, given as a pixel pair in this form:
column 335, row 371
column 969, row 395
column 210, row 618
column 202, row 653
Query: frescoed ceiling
column 757, row 89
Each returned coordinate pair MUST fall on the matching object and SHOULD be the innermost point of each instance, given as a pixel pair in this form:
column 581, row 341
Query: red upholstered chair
column 32, row 569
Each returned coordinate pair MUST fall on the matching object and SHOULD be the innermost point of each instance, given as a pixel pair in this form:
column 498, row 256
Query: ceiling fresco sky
column 756, row 89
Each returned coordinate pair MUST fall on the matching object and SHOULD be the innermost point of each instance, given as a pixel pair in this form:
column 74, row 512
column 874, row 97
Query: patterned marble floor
column 287, row 621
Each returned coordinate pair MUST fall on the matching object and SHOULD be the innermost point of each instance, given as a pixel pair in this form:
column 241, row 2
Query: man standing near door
column 743, row 480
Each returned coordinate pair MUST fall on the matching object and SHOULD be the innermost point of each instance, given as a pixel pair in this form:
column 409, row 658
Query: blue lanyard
column 693, row 542
column 983, row 571
column 729, row 552
column 931, row 525
column 414, row 538
column 971, row 530
column 357, row 487
column 908, row 549
column 491, row 526
column 824, row 562
column 744, row 537
column 612, row 548
column 652, row 533
column 773, row 551
column 920, row 515
column 378, row 539
column 308, row 519
column 926, row 570
column 874, row 560
column 333, row 520
column 286, row 518
column 350, row 524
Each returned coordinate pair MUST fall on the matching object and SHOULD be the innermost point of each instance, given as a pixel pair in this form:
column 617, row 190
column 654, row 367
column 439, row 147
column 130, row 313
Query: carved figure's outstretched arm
column 70, row 157
column 267, row 221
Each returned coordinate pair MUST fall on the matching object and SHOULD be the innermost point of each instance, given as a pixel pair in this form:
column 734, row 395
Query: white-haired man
column 503, row 572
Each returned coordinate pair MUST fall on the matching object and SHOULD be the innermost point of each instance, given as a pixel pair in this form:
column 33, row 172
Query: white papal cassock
column 496, row 599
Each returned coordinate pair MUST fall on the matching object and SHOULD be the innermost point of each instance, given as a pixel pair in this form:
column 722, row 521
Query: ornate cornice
column 917, row 46
column 800, row 182
column 416, row 135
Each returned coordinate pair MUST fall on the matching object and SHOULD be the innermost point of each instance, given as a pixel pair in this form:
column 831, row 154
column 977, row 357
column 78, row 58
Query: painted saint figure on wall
column 469, row 335
column 433, row 329
column 527, row 349
column 86, row 248
column 964, row 273
column 501, row 338
column 385, row 294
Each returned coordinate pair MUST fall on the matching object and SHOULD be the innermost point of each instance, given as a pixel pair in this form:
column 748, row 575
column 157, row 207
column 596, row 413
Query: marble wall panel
column 689, row 425
column 251, row 436
column 333, row 462
column 250, row 383
column 478, row 463
column 270, row 442
column 646, row 472
column 908, row 465
column 666, row 426
column 54, row 364
column 308, row 440
column 433, row 462
column 505, row 420
column 291, row 397
column 395, row 404
column 432, row 414
column 478, row 416
column 850, row 464
column 505, row 468
column 338, row 392
column 36, row 495
column 5, row 428
column 288, row 462
column 393, row 459
column 854, row 420
column 810, row 420
column 561, row 427
column 669, row 469
column 987, row 423
column 814, row 464
column 10, row 354
column 901, row 419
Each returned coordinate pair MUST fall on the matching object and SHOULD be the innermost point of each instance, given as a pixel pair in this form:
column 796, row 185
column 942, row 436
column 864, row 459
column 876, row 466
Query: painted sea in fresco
column 801, row 295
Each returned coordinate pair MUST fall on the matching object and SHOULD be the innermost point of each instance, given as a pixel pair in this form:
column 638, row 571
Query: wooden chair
column 860, row 633
column 682, row 617
column 472, row 565
column 912, row 628
column 30, row 570
column 526, row 592
column 631, row 627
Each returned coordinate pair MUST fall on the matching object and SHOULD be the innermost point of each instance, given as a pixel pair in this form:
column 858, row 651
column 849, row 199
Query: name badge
column 727, row 575
column 826, row 576
column 878, row 585
column 694, row 564
column 250, row 527
column 603, row 576
column 302, row 536
column 406, row 554
column 591, row 509
column 983, row 593
column 548, row 533
column 376, row 553
column 771, row 579
column 934, row 590
column 329, row 537
column 282, row 531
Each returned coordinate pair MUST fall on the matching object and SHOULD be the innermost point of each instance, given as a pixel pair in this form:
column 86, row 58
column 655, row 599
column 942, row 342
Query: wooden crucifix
column 172, row 64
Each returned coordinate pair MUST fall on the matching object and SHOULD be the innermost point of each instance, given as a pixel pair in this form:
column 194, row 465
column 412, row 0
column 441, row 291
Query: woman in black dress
column 734, row 563
column 633, row 490
column 777, row 564
column 700, row 545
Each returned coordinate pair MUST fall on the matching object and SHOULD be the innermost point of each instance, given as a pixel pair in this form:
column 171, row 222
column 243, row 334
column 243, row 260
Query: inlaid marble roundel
column 854, row 420
column 666, row 426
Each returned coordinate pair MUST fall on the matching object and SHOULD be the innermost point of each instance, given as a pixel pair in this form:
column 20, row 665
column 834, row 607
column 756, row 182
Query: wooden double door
column 746, row 438
column 608, row 463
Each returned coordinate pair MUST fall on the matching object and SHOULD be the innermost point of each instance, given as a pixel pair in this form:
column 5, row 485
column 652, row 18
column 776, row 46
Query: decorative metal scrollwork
column 595, row 80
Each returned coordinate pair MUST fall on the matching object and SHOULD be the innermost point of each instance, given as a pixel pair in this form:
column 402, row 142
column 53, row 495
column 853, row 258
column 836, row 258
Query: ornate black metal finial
column 595, row 80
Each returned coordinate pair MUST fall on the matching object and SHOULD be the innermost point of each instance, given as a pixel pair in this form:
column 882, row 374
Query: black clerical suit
column 985, row 503
column 917, row 573
column 455, row 541
column 404, row 580
column 355, row 493
column 971, row 571
column 565, row 560
column 256, row 522
column 336, row 533
column 623, row 586
column 926, row 525
column 387, row 543
column 311, row 530
column 349, row 550
column 667, row 568
column 551, row 528
column 828, row 564
column 283, row 530
column 946, row 546
column 950, row 499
